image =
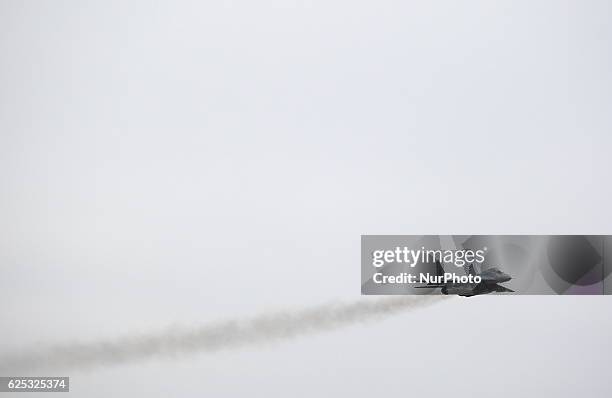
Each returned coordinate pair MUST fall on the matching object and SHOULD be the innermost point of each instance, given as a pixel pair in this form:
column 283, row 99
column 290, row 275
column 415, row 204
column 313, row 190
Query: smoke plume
column 262, row 329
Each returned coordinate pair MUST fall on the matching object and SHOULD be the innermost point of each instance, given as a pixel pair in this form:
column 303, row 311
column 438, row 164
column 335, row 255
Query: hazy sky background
column 182, row 162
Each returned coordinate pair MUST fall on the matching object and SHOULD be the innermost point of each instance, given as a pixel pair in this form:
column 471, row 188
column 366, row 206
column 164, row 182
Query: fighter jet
column 489, row 282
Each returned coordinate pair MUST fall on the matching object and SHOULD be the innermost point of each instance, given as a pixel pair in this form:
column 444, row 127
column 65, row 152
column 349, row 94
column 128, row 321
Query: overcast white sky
column 180, row 162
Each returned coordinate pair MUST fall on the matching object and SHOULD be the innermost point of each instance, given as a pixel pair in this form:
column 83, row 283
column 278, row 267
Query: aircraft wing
column 502, row 289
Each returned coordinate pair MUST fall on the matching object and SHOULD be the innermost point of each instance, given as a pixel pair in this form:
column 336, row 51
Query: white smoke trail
column 262, row 329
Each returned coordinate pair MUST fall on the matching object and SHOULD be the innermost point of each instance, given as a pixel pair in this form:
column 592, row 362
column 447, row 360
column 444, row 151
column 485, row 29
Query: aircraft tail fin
column 469, row 269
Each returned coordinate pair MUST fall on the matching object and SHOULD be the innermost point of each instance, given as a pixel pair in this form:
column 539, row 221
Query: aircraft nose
column 505, row 277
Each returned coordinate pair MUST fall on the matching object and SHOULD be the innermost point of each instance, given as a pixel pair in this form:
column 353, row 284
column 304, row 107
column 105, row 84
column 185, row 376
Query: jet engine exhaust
column 259, row 330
